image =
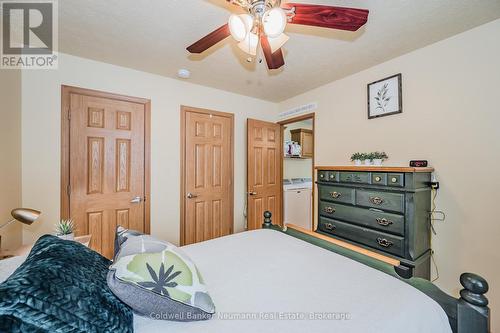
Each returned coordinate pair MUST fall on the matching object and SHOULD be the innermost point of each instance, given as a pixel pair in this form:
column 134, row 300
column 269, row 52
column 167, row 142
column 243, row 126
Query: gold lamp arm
column 7, row 223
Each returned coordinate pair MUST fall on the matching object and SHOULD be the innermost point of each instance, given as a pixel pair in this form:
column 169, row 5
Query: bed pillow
column 121, row 235
column 61, row 287
column 157, row 280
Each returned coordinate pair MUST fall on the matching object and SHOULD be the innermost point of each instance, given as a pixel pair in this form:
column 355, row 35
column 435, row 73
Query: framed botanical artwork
column 385, row 97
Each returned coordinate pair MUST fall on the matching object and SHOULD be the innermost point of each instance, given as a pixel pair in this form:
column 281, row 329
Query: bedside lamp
column 24, row 215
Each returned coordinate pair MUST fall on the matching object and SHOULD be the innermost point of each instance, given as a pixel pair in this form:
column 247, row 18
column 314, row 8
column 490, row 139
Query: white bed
column 270, row 273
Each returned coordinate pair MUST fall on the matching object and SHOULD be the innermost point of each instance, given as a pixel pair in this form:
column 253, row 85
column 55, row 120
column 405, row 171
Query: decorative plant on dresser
column 384, row 209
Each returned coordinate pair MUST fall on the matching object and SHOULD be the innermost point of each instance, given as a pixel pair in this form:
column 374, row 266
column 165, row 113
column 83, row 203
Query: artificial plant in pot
column 379, row 157
column 368, row 158
column 357, row 158
column 65, row 229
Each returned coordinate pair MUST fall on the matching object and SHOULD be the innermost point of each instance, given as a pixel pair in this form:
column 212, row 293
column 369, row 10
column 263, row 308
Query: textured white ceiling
column 151, row 35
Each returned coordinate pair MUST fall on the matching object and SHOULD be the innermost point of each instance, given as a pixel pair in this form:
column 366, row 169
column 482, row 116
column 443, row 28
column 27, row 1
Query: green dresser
column 383, row 209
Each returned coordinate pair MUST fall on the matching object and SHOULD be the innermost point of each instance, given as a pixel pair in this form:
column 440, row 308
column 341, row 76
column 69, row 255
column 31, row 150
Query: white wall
column 41, row 135
column 451, row 117
column 10, row 155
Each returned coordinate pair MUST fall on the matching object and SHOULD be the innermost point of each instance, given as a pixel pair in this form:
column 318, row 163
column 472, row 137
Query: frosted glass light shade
column 248, row 20
column 277, row 43
column 274, row 21
column 237, row 27
column 249, row 44
column 240, row 26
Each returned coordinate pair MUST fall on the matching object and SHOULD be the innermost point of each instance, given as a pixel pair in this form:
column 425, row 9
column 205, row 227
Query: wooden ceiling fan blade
column 341, row 18
column 210, row 40
column 274, row 60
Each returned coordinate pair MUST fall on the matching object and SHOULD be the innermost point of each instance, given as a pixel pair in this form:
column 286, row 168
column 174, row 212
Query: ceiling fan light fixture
column 237, row 27
column 249, row 44
column 274, row 22
column 277, row 43
column 240, row 26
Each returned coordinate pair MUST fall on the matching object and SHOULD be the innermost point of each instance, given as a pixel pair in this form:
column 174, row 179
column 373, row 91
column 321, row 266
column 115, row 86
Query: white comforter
column 291, row 286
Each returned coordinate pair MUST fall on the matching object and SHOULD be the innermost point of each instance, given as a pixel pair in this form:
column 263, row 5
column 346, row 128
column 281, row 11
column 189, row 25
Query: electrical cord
column 432, row 219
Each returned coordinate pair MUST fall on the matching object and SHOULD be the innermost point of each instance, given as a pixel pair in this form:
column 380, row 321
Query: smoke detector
column 184, row 73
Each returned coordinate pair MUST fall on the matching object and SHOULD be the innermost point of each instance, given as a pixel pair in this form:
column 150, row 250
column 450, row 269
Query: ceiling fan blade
column 274, row 60
column 341, row 18
column 210, row 40
column 241, row 3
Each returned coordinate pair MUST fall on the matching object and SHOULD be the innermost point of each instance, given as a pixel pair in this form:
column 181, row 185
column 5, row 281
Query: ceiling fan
column 264, row 24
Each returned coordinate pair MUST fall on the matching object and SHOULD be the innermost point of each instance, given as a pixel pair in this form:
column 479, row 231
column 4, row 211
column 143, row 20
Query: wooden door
column 107, row 167
column 207, row 194
column 264, row 172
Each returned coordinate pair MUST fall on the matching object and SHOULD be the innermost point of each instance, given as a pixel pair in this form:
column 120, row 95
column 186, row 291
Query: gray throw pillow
column 157, row 280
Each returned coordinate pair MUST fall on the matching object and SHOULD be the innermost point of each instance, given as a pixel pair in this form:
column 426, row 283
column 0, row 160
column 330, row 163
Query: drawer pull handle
column 378, row 179
column 384, row 222
column 329, row 226
column 394, row 180
column 376, row 200
column 336, row 195
column 321, row 176
column 384, row 242
column 329, row 210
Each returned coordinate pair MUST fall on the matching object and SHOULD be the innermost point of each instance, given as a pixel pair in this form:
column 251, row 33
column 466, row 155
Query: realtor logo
column 29, row 34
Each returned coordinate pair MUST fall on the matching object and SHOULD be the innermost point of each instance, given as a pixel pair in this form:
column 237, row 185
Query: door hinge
column 144, row 198
column 68, row 190
column 69, row 114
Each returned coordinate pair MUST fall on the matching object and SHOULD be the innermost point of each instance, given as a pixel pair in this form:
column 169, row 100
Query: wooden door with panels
column 105, row 164
column 207, row 198
column 263, row 172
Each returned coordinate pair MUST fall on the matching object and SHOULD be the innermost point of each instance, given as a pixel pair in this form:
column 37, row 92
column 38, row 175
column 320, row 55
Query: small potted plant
column 368, row 158
column 379, row 157
column 65, row 229
column 357, row 158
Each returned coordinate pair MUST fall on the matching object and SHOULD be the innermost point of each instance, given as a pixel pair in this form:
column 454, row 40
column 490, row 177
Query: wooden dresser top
column 374, row 168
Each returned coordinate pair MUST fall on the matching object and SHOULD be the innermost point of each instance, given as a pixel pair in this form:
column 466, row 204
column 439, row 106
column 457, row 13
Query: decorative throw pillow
column 156, row 279
column 61, row 287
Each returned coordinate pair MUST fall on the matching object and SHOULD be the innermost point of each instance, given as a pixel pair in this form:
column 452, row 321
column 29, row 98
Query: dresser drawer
column 337, row 194
column 381, row 200
column 364, row 217
column 323, row 176
column 379, row 179
column 333, row 176
column 396, row 179
column 355, row 177
column 374, row 239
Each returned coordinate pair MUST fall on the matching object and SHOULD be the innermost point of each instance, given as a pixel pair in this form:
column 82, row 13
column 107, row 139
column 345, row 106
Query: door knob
column 252, row 193
column 136, row 200
column 192, row 195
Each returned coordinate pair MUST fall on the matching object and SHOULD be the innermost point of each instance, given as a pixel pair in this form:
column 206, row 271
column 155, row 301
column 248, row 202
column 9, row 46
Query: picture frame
column 385, row 97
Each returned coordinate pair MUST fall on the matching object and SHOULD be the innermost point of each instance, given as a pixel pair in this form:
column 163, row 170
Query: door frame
column 66, row 92
column 282, row 123
column 184, row 110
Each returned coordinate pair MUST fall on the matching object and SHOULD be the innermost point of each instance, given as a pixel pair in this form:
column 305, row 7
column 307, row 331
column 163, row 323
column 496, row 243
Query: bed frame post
column 268, row 223
column 473, row 312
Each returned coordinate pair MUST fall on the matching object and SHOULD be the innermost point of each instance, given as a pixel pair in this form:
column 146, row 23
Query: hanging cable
column 433, row 218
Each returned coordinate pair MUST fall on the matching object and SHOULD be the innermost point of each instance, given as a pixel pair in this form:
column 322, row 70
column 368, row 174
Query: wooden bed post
column 473, row 312
column 267, row 220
